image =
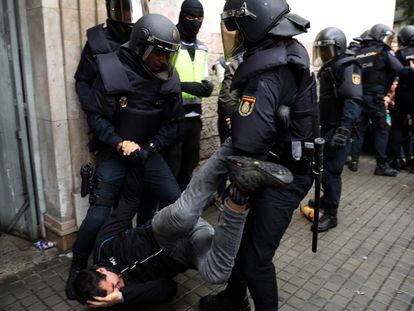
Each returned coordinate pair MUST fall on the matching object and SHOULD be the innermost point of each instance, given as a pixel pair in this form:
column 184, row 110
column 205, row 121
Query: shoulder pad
column 345, row 61
column 351, row 84
column 172, row 85
column 97, row 40
column 113, row 73
column 201, row 46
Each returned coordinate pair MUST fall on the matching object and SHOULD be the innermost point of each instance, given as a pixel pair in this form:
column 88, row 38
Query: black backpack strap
column 113, row 73
column 97, row 40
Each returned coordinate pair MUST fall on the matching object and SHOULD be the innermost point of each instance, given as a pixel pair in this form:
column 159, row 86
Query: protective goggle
column 229, row 17
column 232, row 42
column 125, row 11
column 323, row 52
column 160, row 57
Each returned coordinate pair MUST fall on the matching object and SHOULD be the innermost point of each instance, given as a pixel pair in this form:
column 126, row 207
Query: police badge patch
column 246, row 105
column 356, row 79
column 123, row 102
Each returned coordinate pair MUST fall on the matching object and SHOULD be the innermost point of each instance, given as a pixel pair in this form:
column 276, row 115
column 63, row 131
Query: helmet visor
column 232, row 43
column 125, row 11
column 388, row 37
column 323, row 52
column 159, row 58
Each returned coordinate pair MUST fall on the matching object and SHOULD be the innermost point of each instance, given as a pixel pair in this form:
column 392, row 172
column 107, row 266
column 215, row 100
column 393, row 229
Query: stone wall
column 57, row 34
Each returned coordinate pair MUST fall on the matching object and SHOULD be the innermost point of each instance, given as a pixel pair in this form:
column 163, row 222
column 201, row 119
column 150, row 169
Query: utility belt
column 298, row 156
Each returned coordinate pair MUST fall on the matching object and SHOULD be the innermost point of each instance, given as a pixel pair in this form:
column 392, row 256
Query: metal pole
column 317, row 169
column 27, row 75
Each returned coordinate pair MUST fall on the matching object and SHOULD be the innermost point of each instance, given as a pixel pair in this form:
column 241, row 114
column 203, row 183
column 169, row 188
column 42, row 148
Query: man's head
column 125, row 12
column 155, row 41
column 191, row 19
column 329, row 44
column 96, row 282
column 380, row 33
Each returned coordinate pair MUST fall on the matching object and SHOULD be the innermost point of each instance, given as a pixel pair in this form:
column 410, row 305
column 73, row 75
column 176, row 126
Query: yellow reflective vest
column 192, row 70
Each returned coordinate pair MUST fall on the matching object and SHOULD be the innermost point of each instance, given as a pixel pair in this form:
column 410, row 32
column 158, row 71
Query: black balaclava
column 189, row 29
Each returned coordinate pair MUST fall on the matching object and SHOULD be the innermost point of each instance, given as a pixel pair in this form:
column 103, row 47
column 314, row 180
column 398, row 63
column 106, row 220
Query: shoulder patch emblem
column 246, row 105
column 123, row 102
column 356, row 79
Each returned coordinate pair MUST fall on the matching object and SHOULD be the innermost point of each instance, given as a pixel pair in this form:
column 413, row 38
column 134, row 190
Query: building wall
column 57, row 34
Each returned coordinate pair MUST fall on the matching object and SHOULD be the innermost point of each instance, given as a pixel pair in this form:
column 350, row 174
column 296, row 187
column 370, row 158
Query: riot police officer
column 355, row 45
column 340, row 102
column 135, row 100
column 403, row 114
column 276, row 114
column 379, row 69
column 121, row 16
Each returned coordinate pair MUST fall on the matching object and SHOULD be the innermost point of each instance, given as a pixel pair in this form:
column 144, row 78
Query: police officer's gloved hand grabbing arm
column 199, row 89
column 340, row 137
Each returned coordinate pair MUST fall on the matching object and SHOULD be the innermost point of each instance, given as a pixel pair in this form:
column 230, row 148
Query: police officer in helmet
column 379, row 69
column 403, row 117
column 340, row 102
column 133, row 109
column 122, row 14
column 277, row 110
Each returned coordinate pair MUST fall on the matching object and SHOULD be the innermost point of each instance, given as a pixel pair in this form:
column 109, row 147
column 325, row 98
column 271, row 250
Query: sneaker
column 385, row 170
column 221, row 302
column 250, row 174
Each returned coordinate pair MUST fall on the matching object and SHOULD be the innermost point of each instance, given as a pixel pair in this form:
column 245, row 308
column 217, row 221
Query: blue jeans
column 157, row 177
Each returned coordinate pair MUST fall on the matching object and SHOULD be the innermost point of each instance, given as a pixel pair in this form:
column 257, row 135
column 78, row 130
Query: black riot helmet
column 156, row 42
column 380, row 32
column 124, row 11
column 329, row 44
column 255, row 19
column 406, row 36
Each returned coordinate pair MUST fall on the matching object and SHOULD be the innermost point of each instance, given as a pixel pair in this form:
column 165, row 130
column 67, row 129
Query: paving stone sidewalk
column 366, row 263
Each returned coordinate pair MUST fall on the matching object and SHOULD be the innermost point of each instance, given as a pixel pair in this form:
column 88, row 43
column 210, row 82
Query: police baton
column 317, row 170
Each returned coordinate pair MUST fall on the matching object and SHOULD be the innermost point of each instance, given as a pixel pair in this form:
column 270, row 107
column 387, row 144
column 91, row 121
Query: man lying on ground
column 136, row 266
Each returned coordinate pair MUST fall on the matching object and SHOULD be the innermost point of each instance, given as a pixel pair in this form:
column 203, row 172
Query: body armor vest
column 331, row 98
column 373, row 65
column 140, row 103
column 405, row 91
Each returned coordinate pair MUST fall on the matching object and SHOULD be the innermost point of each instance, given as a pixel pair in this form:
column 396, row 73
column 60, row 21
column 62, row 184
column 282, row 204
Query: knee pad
column 102, row 193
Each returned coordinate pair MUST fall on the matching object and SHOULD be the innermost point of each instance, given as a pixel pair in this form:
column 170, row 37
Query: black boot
column 77, row 266
column 396, row 164
column 223, row 302
column 383, row 169
column 250, row 174
column 353, row 164
column 327, row 222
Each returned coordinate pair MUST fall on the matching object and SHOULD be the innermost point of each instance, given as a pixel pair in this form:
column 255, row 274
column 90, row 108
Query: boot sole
column 281, row 175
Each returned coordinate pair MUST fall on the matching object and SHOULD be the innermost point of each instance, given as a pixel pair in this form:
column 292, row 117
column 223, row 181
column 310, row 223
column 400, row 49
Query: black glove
column 198, row 89
column 340, row 137
column 237, row 196
column 208, row 86
column 140, row 156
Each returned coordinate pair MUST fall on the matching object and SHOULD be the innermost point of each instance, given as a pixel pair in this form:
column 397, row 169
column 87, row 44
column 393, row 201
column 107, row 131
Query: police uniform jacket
column 379, row 67
column 341, row 93
column 277, row 99
column 125, row 103
column 405, row 91
column 101, row 39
